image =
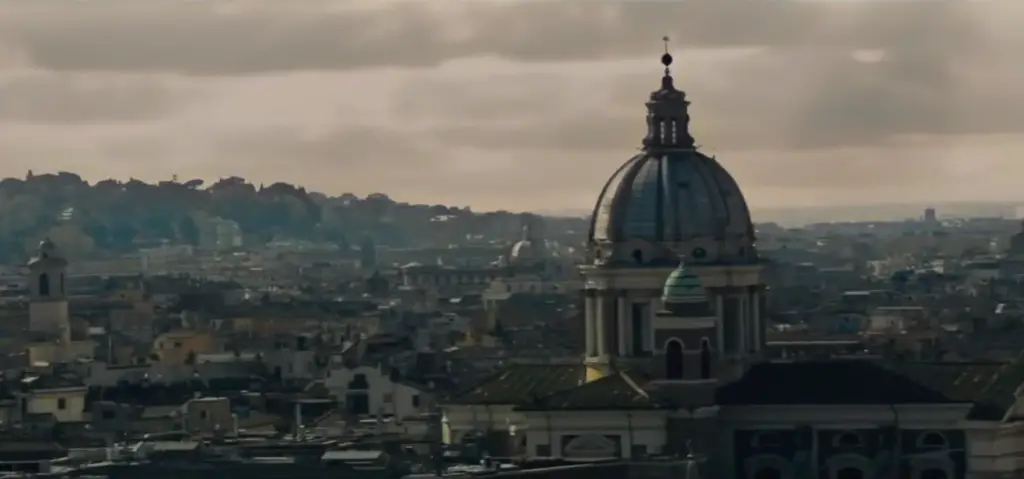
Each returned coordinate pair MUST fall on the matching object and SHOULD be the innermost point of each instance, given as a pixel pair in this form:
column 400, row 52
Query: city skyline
column 519, row 107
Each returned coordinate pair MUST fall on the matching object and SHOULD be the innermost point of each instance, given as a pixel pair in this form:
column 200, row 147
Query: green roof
column 683, row 286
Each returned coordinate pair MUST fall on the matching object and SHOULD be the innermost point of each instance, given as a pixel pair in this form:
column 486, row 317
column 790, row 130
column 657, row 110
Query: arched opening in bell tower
column 44, row 284
column 705, row 359
column 674, row 359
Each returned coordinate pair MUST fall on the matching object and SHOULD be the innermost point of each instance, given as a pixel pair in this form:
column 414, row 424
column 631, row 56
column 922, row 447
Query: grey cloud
column 189, row 38
column 775, row 100
column 58, row 98
column 802, row 114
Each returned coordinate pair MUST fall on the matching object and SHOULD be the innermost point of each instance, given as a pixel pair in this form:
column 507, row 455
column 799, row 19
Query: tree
column 188, row 231
column 71, row 239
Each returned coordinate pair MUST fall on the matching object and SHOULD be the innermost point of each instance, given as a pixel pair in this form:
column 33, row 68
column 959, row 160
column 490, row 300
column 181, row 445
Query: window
column 204, row 415
column 44, row 284
column 415, row 400
column 638, row 450
column 848, row 439
column 674, row 359
column 62, row 404
column 543, row 450
column 932, row 439
column 177, row 345
column 387, row 398
column 767, row 439
column 359, row 382
column 705, row 359
column 637, row 326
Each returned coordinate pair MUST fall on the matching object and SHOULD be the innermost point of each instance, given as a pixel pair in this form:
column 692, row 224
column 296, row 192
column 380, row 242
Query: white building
column 369, row 390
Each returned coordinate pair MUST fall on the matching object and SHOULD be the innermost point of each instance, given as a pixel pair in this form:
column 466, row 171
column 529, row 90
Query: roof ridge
column 629, row 380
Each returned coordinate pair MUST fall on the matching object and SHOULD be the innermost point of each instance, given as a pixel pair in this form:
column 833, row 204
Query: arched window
column 705, row 359
column 768, row 473
column 359, row 382
column 932, row 439
column 638, row 256
column 44, row 284
column 848, row 439
column 674, row 359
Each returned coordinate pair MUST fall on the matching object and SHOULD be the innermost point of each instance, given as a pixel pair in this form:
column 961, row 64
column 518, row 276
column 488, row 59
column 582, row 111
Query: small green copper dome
column 682, row 286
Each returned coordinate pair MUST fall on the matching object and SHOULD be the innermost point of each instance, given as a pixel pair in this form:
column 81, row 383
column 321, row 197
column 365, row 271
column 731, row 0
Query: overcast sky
column 517, row 105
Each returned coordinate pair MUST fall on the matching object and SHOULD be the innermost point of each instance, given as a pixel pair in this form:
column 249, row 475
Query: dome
column 529, row 248
column 46, row 246
column 682, row 286
column 671, row 200
column 670, row 197
column 47, row 253
column 525, row 250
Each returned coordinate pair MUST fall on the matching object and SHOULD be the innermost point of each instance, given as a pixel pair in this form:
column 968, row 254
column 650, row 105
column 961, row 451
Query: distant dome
column 529, row 248
column 682, row 286
column 46, row 246
column 47, row 253
column 526, row 251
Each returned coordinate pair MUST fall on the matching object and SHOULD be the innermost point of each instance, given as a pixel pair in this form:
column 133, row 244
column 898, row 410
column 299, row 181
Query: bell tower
column 48, row 307
column 687, row 343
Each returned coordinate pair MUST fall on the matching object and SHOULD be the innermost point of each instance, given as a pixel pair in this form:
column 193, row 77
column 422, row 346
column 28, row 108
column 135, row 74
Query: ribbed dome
column 675, row 197
column 682, row 286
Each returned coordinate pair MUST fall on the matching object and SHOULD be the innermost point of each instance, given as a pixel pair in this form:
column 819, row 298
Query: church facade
column 674, row 366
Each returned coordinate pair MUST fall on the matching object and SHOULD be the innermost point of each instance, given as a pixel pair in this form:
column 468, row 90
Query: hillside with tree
column 112, row 217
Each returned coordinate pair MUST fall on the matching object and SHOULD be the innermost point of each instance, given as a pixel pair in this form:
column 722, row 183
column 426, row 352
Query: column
column 600, row 323
column 744, row 324
column 588, row 321
column 622, row 320
column 652, row 309
column 755, row 297
column 720, row 329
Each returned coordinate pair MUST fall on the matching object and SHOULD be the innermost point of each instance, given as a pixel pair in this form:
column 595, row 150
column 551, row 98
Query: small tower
column 686, row 341
column 688, row 367
column 48, row 307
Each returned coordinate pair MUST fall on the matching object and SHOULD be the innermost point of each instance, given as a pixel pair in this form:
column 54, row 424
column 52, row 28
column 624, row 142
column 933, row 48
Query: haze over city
column 517, row 105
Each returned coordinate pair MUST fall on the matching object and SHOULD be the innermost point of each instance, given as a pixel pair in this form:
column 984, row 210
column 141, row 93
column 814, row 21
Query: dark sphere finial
column 666, row 59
